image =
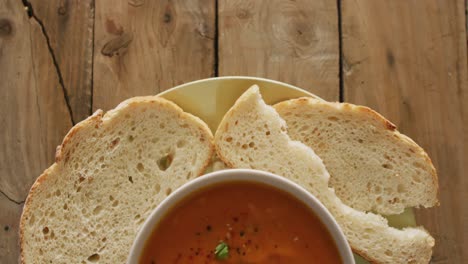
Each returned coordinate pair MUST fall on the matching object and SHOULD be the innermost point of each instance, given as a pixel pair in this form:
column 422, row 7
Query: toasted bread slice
column 110, row 172
column 363, row 152
column 253, row 135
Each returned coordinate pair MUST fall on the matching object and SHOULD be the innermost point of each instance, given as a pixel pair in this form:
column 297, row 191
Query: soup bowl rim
column 241, row 175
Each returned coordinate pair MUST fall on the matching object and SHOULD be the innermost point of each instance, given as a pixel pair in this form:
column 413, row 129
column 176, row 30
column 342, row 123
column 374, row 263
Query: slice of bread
column 363, row 152
column 252, row 135
column 111, row 171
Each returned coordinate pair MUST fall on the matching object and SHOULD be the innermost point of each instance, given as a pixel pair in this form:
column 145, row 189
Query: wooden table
column 61, row 61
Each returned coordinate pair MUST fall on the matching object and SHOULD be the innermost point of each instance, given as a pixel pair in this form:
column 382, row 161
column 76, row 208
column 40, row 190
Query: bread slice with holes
column 110, row 172
column 363, row 152
column 253, row 135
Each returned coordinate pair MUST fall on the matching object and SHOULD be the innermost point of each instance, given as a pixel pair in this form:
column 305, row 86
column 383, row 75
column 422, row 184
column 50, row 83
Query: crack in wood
column 11, row 199
column 92, row 57
column 31, row 14
column 27, row 7
column 466, row 22
column 216, row 42
column 340, row 53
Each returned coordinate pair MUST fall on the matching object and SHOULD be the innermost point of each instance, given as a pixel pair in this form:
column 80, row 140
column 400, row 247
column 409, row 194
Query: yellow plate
column 210, row 99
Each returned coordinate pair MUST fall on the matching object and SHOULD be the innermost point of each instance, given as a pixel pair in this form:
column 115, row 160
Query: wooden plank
column 69, row 27
column 33, row 114
column 291, row 41
column 10, row 213
column 408, row 60
column 145, row 47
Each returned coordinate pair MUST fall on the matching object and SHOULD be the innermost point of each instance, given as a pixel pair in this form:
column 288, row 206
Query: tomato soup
column 240, row 222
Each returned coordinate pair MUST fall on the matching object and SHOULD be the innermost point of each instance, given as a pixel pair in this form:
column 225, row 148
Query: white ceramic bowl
column 236, row 175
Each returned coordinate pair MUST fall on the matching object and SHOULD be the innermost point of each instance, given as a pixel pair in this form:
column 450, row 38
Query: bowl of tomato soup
column 240, row 216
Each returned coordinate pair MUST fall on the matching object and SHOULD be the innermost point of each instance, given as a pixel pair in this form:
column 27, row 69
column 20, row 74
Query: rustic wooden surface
column 145, row 47
column 69, row 29
column 291, row 41
column 62, row 60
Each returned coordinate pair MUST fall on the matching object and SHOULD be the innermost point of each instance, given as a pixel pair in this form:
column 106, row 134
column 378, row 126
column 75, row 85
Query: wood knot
column 117, row 46
column 167, row 18
column 390, row 58
column 113, row 28
column 136, row 3
column 62, row 10
column 6, row 27
column 204, row 31
column 302, row 33
column 243, row 14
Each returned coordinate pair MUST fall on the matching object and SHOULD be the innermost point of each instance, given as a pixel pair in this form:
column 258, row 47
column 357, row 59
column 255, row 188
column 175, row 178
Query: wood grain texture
column 10, row 214
column 145, row 47
column 69, row 27
column 289, row 41
column 33, row 115
column 408, row 60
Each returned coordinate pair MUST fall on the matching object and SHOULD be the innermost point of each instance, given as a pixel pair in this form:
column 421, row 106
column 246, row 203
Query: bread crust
column 96, row 120
column 44, row 176
column 374, row 115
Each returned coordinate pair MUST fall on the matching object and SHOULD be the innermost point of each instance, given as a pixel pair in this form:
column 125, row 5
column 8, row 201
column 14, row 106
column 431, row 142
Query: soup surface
column 240, row 222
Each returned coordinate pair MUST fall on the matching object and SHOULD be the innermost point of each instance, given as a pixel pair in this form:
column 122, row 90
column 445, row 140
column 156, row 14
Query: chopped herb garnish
column 222, row 250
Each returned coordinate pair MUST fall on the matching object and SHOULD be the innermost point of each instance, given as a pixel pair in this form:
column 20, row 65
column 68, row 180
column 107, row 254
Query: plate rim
column 239, row 77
